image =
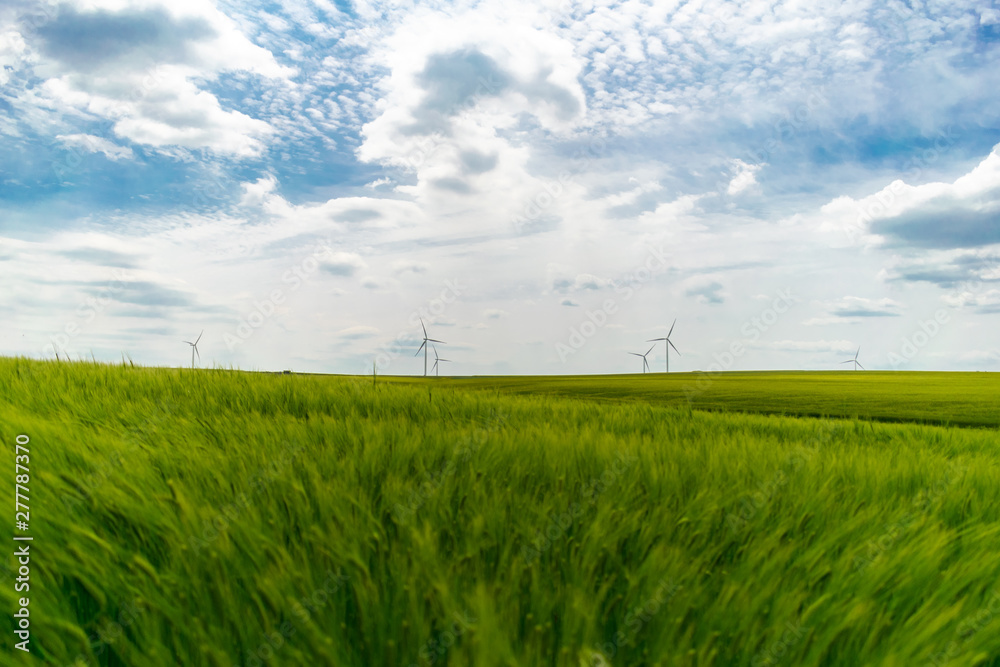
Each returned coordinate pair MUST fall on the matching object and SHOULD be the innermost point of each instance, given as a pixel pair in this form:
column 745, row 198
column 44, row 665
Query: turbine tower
column 667, row 344
column 645, row 364
column 423, row 345
column 437, row 359
column 194, row 347
column 855, row 360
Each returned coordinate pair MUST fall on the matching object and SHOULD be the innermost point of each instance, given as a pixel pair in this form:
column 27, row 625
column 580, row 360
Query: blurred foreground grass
column 226, row 518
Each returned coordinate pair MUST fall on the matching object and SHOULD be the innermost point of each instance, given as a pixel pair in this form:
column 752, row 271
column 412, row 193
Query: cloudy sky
column 547, row 184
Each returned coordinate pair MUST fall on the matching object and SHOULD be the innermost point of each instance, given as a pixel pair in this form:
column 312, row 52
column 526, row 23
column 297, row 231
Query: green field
column 227, row 518
column 959, row 399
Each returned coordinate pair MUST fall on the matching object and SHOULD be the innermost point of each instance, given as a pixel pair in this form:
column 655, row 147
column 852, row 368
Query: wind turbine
column 855, row 360
column 667, row 344
column 645, row 364
column 423, row 345
column 194, row 347
column 436, row 360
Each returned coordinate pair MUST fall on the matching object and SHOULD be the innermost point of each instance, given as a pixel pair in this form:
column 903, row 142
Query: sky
column 546, row 185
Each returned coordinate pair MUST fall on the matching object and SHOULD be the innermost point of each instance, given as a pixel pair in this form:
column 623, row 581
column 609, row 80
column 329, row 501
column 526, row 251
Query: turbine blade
column 673, row 346
column 671, row 328
column 650, row 348
column 654, row 340
column 435, row 340
column 197, row 352
column 420, row 348
column 862, row 367
column 849, row 361
column 634, row 354
column 423, row 327
column 199, row 337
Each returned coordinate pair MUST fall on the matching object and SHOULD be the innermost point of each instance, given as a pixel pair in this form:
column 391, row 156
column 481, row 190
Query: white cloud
column 378, row 182
column 745, row 177
column 989, row 299
column 151, row 89
column 345, row 264
column 809, row 345
column 931, row 215
column 409, row 266
column 12, row 48
column 259, row 192
column 179, row 114
column 357, row 332
column 855, row 309
column 92, row 144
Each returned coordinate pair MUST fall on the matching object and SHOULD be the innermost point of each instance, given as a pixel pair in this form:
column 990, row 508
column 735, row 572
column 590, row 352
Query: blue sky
column 548, row 185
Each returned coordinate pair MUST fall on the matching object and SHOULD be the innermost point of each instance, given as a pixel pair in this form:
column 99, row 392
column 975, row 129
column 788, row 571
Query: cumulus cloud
column 937, row 215
column 137, row 66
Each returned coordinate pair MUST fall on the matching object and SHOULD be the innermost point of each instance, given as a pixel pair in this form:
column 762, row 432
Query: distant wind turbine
column 436, row 360
column 855, row 360
column 667, row 344
column 423, row 345
column 645, row 364
column 194, row 347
